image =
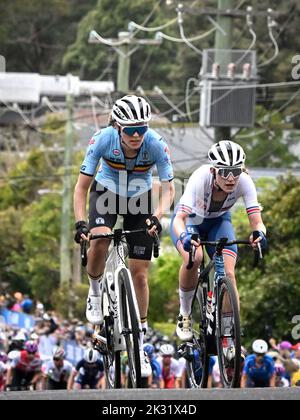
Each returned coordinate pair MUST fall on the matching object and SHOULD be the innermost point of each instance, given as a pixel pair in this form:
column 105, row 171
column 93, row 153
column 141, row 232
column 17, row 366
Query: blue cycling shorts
column 211, row 230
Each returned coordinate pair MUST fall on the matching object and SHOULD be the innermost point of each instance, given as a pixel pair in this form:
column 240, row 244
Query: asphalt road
column 158, row 395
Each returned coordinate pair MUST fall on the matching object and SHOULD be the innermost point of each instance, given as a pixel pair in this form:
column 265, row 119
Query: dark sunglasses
column 131, row 130
column 226, row 172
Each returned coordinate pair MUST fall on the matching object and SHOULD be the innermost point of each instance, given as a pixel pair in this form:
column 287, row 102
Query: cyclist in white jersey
column 127, row 151
column 56, row 372
column 204, row 209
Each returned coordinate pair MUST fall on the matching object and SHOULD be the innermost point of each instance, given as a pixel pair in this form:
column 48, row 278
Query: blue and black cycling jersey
column 259, row 374
column 127, row 177
column 90, row 372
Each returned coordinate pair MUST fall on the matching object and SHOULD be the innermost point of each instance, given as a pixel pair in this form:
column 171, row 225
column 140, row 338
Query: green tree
column 269, row 295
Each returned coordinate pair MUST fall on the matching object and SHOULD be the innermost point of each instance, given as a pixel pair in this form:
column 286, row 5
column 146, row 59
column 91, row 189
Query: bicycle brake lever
column 83, row 249
column 156, row 246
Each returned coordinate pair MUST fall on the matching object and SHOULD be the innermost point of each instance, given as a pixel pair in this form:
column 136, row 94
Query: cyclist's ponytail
column 111, row 122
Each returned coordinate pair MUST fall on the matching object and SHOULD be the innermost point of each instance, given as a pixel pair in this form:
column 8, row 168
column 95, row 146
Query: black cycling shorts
column 104, row 208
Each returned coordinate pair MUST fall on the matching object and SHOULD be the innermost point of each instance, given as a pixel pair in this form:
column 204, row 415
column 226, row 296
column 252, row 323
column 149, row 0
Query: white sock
column 186, row 300
column 95, row 285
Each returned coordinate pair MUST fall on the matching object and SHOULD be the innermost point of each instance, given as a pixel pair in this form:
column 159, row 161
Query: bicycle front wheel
column 228, row 335
column 197, row 364
column 130, row 328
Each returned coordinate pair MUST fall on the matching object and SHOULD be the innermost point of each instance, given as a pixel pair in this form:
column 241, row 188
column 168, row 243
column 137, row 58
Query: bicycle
column 213, row 337
column 121, row 327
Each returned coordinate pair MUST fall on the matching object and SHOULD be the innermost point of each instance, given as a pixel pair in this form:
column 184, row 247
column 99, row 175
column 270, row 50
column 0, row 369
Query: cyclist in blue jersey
column 127, row 151
column 155, row 366
column 259, row 370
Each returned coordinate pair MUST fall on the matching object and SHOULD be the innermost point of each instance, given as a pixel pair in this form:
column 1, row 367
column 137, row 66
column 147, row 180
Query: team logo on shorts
column 139, row 250
column 100, row 221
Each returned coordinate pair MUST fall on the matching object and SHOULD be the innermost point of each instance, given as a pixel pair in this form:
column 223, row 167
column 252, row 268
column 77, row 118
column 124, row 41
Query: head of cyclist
column 167, row 351
column 227, row 159
column 131, row 115
column 31, row 348
column 58, row 356
column 91, row 357
column 260, row 349
column 149, row 350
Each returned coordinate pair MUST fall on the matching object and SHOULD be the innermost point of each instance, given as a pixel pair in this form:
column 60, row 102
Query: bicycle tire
column 230, row 370
column 130, row 329
column 198, row 370
column 111, row 358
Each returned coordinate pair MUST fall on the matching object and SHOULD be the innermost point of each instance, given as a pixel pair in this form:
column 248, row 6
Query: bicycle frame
column 115, row 263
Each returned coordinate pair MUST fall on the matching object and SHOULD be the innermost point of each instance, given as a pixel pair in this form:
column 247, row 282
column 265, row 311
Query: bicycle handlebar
column 220, row 245
column 117, row 236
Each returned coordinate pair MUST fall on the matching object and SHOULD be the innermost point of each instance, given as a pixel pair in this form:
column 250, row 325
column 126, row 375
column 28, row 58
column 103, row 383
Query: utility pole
column 126, row 45
column 65, row 239
column 223, row 42
column 123, row 64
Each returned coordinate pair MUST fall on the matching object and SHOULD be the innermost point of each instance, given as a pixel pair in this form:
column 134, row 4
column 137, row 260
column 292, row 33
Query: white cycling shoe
column 93, row 310
column 146, row 369
column 184, row 328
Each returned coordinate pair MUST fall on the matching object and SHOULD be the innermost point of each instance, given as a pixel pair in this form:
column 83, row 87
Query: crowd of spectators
column 57, row 354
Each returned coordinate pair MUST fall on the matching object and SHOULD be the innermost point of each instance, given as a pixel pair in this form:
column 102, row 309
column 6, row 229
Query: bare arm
column 80, row 196
column 273, row 381
column 71, row 380
column 180, row 226
column 256, row 223
column 167, row 195
column 244, row 381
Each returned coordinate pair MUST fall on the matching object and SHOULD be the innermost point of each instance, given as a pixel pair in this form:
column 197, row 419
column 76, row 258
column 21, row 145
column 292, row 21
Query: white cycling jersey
column 175, row 368
column 197, row 198
column 62, row 374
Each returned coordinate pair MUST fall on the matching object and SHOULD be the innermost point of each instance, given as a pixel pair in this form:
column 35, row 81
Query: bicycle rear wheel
column 130, row 329
column 197, row 358
column 228, row 335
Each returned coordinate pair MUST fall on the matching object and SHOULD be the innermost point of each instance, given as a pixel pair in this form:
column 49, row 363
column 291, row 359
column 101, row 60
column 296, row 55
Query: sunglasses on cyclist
column 141, row 130
column 226, row 172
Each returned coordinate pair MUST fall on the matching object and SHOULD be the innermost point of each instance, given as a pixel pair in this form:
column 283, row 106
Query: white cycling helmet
column 227, row 154
column 91, row 356
column 58, row 353
column 260, row 347
column 131, row 110
column 167, row 350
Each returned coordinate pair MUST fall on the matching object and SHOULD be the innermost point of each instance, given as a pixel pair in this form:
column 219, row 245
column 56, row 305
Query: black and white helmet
column 167, row 350
column 131, row 110
column 91, row 356
column 227, row 154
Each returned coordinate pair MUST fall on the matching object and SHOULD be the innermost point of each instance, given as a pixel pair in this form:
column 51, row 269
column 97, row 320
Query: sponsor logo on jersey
column 145, row 156
column 92, row 141
column 100, row 221
column 116, row 152
column 167, row 150
column 90, row 152
column 83, row 168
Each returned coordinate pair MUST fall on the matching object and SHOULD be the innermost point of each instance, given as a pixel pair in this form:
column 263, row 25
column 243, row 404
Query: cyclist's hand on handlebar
column 187, row 241
column 258, row 237
column 154, row 226
column 82, row 231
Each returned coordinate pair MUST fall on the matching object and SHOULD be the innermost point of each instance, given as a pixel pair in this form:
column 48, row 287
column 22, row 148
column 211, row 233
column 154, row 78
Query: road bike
column 120, row 328
column 216, row 321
